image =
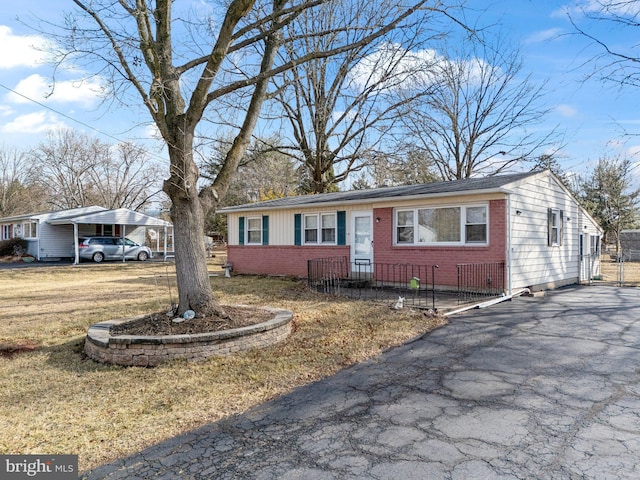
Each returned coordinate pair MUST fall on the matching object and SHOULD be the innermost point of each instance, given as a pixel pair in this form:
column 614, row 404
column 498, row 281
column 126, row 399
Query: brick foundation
column 150, row 351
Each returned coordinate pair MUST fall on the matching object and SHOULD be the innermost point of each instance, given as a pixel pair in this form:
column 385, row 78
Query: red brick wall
column 279, row 259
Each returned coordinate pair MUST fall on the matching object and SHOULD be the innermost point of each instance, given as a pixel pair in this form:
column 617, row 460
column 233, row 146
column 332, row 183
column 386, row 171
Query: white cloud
column 621, row 9
column 22, row 50
column 36, row 87
column 31, row 123
column 544, row 35
column 566, row 110
column 396, row 64
column 5, row 110
column 416, row 68
column 634, row 151
column 624, row 9
column 151, row 131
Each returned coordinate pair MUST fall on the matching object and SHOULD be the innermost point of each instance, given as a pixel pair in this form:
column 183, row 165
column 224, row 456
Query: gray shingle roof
column 355, row 196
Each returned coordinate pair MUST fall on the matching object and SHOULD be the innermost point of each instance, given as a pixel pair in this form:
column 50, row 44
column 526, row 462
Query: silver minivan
column 111, row 248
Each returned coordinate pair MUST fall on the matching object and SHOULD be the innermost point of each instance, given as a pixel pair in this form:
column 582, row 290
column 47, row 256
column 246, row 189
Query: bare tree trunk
column 187, row 214
column 193, row 276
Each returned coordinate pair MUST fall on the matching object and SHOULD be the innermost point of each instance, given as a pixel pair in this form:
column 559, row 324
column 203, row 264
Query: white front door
column 362, row 238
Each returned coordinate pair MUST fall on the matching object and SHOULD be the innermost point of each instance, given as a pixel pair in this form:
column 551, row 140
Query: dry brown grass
column 54, row 400
column 611, row 272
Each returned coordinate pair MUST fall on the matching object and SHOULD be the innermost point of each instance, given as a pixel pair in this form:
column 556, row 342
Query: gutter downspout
column 124, row 234
column 75, row 244
column 164, row 246
column 38, row 240
column 509, row 244
column 489, row 303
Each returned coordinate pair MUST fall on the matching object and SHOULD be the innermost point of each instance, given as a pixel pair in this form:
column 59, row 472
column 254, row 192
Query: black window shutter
column 342, row 227
column 265, row 229
column 241, row 231
column 297, row 229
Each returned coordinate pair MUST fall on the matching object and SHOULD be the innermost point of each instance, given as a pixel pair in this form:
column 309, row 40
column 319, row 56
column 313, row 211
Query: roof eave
column 466, row 193
column 19, row 217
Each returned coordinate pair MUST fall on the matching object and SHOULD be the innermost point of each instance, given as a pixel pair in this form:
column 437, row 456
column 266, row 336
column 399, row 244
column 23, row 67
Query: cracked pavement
column 545, row 387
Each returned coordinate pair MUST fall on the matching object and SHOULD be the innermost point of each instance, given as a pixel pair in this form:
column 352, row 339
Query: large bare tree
column 77, row 170
column 263, row 173
column 61, row 165
column 338, row 109
column 409, row 167
column 18, row 194
column 183, row 66
column 483, row 114
column 125, row 178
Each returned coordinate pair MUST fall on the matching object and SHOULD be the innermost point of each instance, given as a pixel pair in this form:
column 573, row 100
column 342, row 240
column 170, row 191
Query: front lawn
column 53, row 400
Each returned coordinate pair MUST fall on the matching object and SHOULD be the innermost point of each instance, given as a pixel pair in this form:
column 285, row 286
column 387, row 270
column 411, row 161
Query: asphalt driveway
column 544, row 388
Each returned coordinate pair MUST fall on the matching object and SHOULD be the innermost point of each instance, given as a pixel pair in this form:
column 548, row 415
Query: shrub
column 13, row 246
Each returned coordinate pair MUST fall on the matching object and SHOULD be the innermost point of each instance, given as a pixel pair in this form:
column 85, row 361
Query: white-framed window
column 404, row 226
column 475, row 228
column 254, row 231
column 451, row 225
column 320, row 228
column 595, row 244
column 6, row 232
column 30, row 230
column 107, row 230
column 554, row 217
column 439, row 225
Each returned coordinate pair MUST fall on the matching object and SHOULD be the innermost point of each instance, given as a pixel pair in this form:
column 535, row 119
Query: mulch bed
column 161, row 324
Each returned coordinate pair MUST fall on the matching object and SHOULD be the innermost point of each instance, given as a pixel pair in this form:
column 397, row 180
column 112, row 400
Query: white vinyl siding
column 533, row 261
column 56, row 241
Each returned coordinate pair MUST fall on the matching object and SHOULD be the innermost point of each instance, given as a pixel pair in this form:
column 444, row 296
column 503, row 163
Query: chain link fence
column 620, row 268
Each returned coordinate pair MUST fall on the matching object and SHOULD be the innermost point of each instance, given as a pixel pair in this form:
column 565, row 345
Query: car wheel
column 142, row 256
column 98, row 257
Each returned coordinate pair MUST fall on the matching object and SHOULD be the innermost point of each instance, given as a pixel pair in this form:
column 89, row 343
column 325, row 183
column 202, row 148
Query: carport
column 122, row 217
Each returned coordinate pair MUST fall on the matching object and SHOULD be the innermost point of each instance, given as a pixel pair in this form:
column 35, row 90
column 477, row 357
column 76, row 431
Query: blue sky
column 593, row 115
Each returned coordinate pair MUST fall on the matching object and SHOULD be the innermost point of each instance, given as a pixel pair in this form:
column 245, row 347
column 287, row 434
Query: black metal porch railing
column 422, row 286
column 412, row 285
column 480, row 280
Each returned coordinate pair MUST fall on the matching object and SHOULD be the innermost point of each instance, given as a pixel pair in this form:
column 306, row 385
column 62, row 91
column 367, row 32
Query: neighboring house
column 630, row 245
column 51, row 235
column 528, row 222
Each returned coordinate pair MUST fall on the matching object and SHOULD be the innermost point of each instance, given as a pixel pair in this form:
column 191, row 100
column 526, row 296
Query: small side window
column 554, row 225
